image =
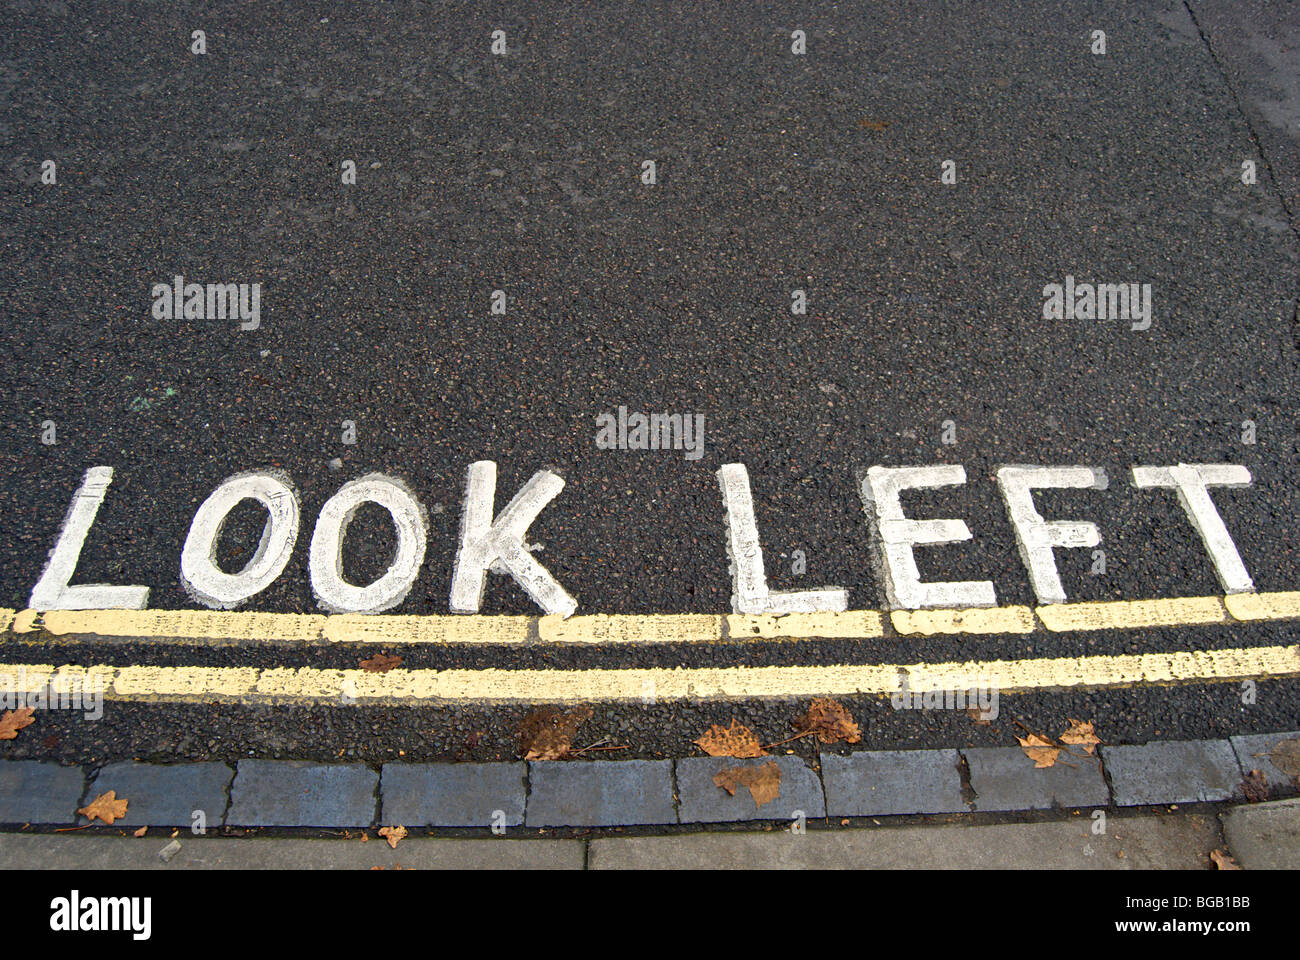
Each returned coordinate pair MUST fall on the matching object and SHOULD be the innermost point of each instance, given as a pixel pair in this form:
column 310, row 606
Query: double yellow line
column 424, row 686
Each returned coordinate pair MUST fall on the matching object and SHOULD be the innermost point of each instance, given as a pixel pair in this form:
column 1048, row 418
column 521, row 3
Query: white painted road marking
column 499, row 545
column 325, row 556
column 1190, row 481
column 748, row 578
column 1037, row 537
column 52, row 590
column 202, row 578
column 896, row 535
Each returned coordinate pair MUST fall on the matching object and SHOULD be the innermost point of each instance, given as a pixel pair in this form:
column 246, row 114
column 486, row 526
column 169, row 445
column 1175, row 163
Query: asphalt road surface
column 923, row 342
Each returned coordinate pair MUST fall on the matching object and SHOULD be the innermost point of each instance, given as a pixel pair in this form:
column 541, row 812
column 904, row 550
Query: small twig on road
column 597, row 746
column 799, row 736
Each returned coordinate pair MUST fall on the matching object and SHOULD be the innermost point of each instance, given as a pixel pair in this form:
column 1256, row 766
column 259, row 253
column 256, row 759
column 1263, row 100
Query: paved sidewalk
column 1145, row 843
column 1266, row 836
column 1262, row 836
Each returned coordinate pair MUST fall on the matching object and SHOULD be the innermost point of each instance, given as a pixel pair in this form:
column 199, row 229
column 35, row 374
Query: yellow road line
column 974, row 620
column 178, row 624
column 208, row 626
column 650, row 628
column 852, row 624
column 250, row 685
column 1132, row 614
column 211, row 626
column 1264, row 606
column 438, row 628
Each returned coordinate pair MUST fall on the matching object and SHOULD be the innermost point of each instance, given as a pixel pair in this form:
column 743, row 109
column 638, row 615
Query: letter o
column 325, row 558
column 202, row 578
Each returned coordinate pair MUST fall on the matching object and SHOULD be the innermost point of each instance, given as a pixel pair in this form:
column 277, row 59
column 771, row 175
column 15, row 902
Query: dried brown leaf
column 105, row 807
column 141, row 832
column 1040, row 750
column 764, row 782
column 1080, row 734
column 393, row 835
column 15, row 720
column 1254, row 786
column 1223, row 860
column 380, row 663
column 735, row 741
column 1286, row 757
column 547, row 732
column 829, row 721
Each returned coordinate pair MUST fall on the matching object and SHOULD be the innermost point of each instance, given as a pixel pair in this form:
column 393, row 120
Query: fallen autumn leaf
column 105, row 807
column 1223, row 860
column 15, row 720
column 1286, row 757
column 1040, row 750
column 829, row 721
column 764, row 782
column 1254, row 786
column 1080, row 734
column 380, row 663
column 735, row 741
column 547, row 734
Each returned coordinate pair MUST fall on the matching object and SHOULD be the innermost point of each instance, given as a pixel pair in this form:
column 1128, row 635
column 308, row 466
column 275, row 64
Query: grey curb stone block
column 703, row 801
column 36, row 792
column 452, row 794
column 1003, row 778
column 600, row 793
column 1252, row 753
column 299, row 794
column 870, row 783
column 1172, row 771
column 166, row 795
